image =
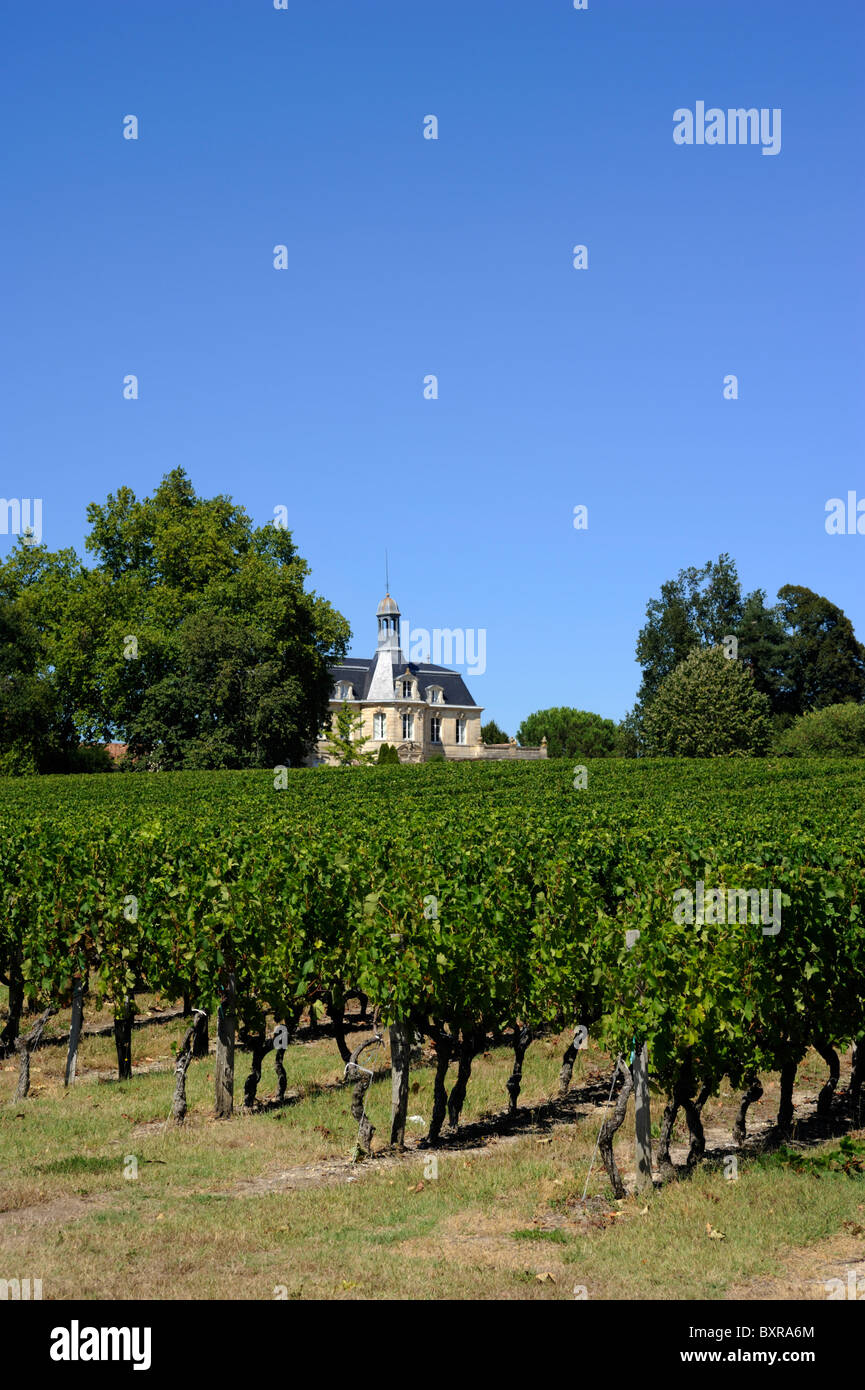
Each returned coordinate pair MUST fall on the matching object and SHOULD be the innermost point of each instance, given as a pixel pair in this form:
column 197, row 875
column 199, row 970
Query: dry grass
column 271, row 1201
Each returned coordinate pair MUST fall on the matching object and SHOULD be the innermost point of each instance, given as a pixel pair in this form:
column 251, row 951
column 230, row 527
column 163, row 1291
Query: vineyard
column 469, row 905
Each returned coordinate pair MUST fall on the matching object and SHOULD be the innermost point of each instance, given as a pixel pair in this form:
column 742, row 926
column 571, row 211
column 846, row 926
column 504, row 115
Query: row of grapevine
column 466, row 903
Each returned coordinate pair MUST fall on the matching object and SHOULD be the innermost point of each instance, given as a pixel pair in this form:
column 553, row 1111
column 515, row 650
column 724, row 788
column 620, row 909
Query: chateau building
column 418, row 708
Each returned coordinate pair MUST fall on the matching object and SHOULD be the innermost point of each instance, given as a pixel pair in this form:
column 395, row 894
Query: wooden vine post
column 226, row 1027
column 642, row 1120
column 400, row 1050
column 74, row 1032
column 642, row 1110
column 123, row 1038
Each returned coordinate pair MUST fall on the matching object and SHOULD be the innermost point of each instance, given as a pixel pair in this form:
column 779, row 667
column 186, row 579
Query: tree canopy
column 571, row 733
column 192, row 638
column 491, row 733
column 708, row 707
column 835, row 730
column 802, row 652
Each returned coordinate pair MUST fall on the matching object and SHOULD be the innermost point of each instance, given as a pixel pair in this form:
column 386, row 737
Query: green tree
column 38, row 732
column 346, row 739
column 708, row 707
column 825, row 663
column 491, row 733
column 764, row 648
column 834, row 731
column 696, row 609
column 630, row 734
column 387, row 754
column 571, row 733
column 193, row 638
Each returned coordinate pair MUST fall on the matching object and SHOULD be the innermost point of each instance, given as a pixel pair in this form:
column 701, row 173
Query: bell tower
column 388, row 616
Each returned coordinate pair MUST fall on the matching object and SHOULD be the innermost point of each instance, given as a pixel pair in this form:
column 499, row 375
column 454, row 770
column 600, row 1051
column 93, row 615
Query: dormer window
column 344, row 691
column 435, row 695
column 406, row 690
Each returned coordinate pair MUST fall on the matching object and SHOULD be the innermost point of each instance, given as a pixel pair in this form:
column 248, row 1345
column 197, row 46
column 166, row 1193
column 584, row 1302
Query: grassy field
column 270, row 1205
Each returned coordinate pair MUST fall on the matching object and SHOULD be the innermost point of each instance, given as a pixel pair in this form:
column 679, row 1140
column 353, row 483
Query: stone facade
column 419, row 709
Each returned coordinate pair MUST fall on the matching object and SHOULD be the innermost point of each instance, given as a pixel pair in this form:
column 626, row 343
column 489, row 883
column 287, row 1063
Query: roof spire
column 386, row 575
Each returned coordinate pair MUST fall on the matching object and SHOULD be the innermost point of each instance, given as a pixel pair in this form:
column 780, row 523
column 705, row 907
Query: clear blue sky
column 407, row 256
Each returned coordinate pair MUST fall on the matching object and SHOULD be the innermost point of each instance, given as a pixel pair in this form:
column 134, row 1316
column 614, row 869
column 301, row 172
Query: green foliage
column 708, row 708
column 848, row 1158
column 192, row 639
column 387, row 755
column 491, row 733
column 470, row 898
column 802, row 652
column 696, row 609
column 835, row 731
column 34, row 734
column 571, row 733
column 91, row 758
column 630, row 734
column 764, row 649
column 826, row 664
column 346, row 740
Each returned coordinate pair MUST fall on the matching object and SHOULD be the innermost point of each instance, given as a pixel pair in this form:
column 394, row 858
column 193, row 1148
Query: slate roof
column 357, row 670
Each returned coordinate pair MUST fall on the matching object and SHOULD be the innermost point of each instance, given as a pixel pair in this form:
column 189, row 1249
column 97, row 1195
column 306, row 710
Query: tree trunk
column 752, row 1094
column 260, row 1048
column 226, row 1027
column 522, row 1038
column 681, row 1099
column 857, row 1076
column 9, row 1035
column 444, row 1048
column 336, row 1010
column 74, row 1033
column 785, row 1107
column 611, row 1124
column 833, row 1062
column 123, row 1039
column 400, row 1051
column 693, row 1114
column 281, row 1078
column 567, row 1071
column 362, row 1077
column 181, row 1067
column 666, row 1167
column 24, row 1047
column 456, row 1099
column 201, row 1036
